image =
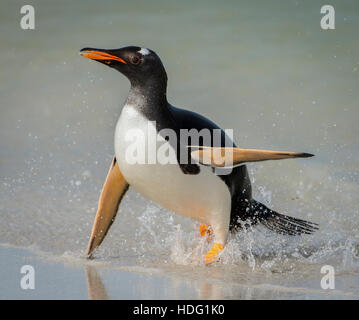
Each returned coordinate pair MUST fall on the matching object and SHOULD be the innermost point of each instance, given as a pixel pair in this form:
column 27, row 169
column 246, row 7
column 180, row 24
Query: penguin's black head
column 138, row 64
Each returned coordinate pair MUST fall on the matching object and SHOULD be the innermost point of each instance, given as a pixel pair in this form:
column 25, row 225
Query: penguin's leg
column 220, row 230
column 205, row 229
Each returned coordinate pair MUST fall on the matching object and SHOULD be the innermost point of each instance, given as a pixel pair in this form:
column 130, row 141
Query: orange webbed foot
column 205, row 230
column 212, row 255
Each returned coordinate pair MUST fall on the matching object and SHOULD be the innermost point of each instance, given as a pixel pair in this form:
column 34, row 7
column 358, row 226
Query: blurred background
column 264, row 68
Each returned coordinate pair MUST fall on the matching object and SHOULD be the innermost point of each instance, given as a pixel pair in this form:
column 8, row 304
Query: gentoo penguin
column 192, row 185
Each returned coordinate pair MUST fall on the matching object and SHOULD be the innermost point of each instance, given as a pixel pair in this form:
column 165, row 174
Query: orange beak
column 99, row 55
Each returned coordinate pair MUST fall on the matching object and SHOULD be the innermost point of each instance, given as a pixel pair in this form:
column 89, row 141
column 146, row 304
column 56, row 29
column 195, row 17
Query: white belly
column 203, row 197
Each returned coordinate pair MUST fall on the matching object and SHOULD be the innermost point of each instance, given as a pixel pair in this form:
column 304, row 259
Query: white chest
column 203, row 197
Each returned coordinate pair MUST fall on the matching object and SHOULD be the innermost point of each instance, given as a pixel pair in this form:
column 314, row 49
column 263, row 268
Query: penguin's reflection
column 95, row 286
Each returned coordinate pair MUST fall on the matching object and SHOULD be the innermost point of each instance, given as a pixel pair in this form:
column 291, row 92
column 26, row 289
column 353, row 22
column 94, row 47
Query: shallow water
column 268, row 71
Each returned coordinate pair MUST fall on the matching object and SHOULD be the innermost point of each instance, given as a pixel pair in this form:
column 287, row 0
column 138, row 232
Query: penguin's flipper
column 230, row 157
column 111, row 196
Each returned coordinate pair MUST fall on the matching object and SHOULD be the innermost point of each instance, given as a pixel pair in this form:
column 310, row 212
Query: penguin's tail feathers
column 277, row 222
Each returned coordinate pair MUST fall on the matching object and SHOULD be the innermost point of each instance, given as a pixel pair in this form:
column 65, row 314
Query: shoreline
column 60, row 278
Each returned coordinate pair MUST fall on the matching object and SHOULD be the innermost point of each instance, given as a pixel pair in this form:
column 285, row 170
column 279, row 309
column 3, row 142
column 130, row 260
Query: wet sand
column 56, row 278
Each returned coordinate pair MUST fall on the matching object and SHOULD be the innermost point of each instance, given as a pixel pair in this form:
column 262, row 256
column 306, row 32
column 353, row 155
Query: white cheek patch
column 144, row 51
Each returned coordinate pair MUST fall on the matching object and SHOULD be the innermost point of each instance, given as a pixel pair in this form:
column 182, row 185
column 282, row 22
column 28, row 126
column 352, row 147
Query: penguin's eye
column 135, row 60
